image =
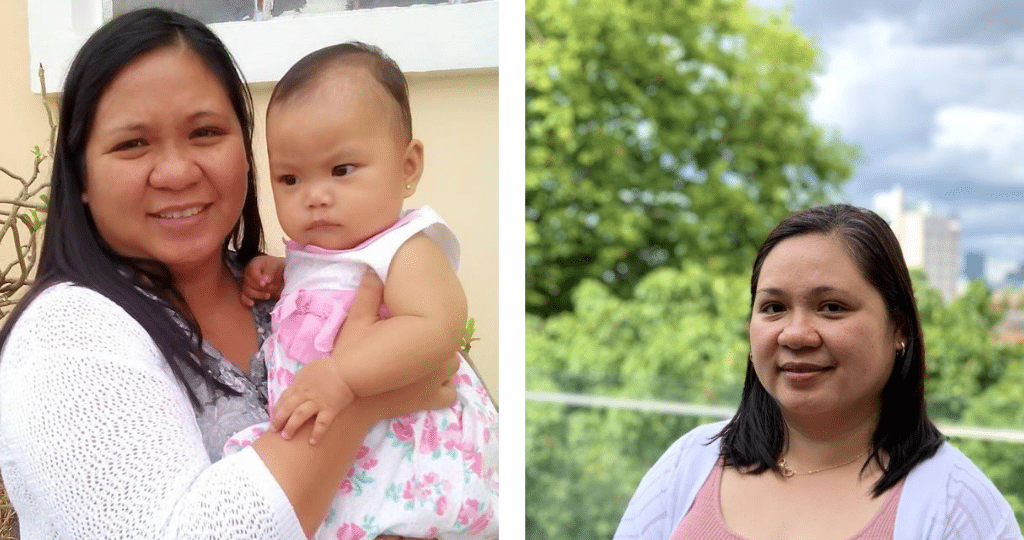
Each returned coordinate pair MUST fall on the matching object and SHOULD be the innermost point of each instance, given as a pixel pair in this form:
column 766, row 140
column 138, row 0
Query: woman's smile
column 804, row 373
column 166, row 167
column 187, row 212
column 820, row 336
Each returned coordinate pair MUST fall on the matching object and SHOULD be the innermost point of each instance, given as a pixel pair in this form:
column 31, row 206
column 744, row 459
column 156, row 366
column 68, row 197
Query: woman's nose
column 799, row 333
column 175, row 170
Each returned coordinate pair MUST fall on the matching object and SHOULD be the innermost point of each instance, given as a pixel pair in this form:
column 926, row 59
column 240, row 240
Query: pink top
column 704, row 520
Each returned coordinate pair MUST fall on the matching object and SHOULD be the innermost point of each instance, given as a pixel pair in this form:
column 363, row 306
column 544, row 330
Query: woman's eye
column 771, row 308
column 206, row 132
column 128, row 145
column 342, row 170
column 288, row 179
column 832, row 307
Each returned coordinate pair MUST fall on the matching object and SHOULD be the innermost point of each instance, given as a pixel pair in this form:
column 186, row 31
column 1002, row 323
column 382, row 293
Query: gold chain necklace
column 787, row 471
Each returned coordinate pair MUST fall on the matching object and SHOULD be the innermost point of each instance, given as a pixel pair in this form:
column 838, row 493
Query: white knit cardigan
column 944, row 497
column 99, row 440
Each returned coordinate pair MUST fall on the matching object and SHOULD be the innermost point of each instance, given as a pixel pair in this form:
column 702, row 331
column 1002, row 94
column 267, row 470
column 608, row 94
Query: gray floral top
column 222, row 416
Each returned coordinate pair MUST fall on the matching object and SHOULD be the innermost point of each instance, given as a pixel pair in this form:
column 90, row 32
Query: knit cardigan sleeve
column 99, row 440
column 948, row 496
column 668, row 489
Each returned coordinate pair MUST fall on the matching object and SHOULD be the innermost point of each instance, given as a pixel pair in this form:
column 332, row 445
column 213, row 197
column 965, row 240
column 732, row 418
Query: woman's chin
column 804, row 404
column 182, row 256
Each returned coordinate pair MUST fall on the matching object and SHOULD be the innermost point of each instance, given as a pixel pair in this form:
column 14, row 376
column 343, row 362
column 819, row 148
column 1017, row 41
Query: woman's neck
column 205, row 285
column 813, row 444
column 212, row 295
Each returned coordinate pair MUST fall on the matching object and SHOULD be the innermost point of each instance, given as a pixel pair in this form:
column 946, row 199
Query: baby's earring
column 408, row 186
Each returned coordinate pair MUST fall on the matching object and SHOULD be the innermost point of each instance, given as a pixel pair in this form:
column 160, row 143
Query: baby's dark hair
column 313, row 67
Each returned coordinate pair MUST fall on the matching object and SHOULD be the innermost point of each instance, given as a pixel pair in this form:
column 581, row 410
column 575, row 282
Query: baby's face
column 338, row 165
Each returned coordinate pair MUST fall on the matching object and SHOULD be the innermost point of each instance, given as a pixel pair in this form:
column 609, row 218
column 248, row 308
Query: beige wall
column 456, row 117
column 22, row 119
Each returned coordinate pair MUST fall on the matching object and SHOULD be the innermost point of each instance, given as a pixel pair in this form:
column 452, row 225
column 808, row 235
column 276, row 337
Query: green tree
column 962, row 357
column 660, row 131
column 972, row 380
column 683, row 337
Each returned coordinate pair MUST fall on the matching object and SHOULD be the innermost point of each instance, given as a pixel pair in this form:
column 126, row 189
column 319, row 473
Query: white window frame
column 427, row 38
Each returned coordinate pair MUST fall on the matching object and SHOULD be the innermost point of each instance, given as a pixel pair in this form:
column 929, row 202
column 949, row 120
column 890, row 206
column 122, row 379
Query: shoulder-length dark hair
column 755, row 437
column 72, row 249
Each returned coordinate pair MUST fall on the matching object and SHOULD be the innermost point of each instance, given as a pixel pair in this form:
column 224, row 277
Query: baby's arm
column 428, row 316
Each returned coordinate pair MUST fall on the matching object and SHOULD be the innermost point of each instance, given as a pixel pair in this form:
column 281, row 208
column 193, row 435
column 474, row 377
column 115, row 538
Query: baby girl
column 342, row 160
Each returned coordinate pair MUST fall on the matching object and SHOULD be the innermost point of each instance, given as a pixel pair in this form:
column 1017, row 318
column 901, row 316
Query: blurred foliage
column 972, row 380
column 964, row 364
column 659, row 132
column 683, row 337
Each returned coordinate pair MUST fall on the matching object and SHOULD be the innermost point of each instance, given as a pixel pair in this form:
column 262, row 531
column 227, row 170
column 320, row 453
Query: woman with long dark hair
column 832, row 438
column 131, row 359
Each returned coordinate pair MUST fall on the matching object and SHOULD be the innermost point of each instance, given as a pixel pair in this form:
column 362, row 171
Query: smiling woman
column 831, row 439
column 165, row 163
column 821, row 337
column 130, row 360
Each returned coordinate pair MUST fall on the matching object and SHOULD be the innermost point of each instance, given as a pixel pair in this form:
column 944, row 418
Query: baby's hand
column 317, row 391
column 263, row 279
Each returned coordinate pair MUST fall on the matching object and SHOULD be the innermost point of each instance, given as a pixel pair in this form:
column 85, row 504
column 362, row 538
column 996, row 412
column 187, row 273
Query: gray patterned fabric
column 223, row 416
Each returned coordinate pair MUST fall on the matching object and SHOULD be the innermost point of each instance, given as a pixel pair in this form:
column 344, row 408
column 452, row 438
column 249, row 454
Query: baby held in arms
column 342, row 161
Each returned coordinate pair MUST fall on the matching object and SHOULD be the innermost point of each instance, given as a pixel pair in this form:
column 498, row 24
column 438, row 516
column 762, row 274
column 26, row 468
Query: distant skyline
column 933, row 93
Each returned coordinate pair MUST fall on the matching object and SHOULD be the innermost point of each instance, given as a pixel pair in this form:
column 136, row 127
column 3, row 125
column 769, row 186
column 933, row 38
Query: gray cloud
column 931, row 91
column 928, row 21
column 955, row 21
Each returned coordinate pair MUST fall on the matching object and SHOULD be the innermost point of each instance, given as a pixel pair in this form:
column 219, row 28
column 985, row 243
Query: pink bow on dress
column 308, row 322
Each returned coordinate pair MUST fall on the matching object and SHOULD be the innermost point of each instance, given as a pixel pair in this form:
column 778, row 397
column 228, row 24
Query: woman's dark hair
column 72, row 249
column 755, row 437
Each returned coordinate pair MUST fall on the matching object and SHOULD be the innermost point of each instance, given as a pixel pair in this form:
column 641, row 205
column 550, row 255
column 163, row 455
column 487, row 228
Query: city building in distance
column 929, row 241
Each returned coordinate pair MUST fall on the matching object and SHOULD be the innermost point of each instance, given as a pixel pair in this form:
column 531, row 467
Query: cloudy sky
column 933, row 92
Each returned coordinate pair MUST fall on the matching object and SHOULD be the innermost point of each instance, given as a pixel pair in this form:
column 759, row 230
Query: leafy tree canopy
column 683, row 337
column 659, row 131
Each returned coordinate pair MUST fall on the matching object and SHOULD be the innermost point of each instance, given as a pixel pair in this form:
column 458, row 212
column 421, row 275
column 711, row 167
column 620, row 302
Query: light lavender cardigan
column 946, row 496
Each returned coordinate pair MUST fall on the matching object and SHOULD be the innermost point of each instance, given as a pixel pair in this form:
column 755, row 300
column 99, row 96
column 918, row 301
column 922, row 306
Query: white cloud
column 858, row 60
column 981, row 216
column 881, row 89
column 981, row 144
column 931, row 91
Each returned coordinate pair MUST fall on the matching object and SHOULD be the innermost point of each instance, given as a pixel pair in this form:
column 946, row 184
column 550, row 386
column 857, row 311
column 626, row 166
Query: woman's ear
column 412, row 166
column 900, row 338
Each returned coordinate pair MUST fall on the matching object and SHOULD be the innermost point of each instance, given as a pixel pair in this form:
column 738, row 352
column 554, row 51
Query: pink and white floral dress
column 433, row 474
